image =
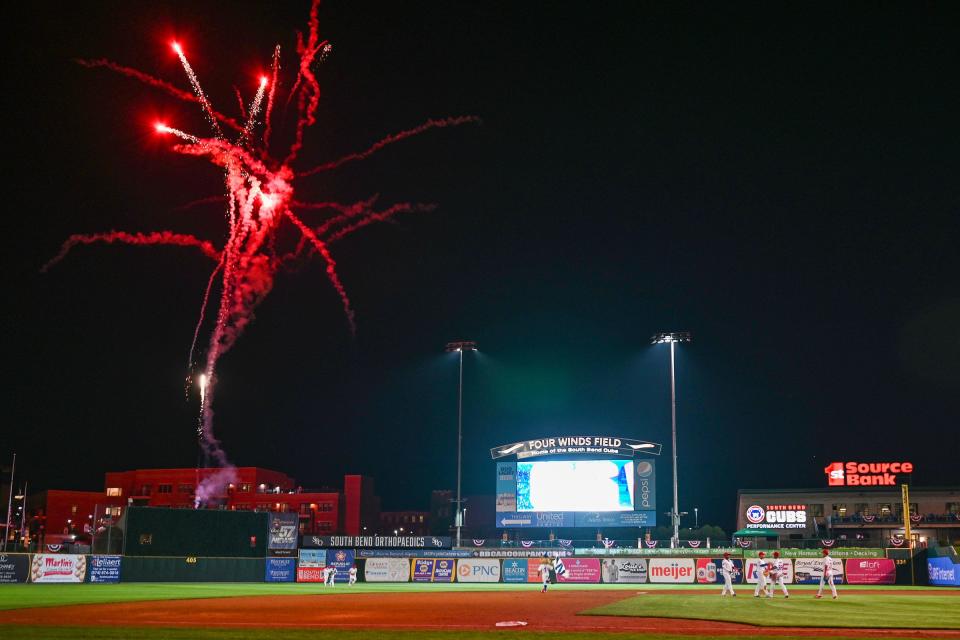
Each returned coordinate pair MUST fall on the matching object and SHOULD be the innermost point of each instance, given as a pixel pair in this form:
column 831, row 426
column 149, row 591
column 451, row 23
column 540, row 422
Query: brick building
column 58, row 513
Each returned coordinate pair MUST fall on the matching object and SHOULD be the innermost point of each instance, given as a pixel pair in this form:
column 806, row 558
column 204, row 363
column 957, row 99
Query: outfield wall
column 860, row 567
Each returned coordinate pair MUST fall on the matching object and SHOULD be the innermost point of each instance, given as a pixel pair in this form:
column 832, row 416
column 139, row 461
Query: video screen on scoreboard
column 575, row 485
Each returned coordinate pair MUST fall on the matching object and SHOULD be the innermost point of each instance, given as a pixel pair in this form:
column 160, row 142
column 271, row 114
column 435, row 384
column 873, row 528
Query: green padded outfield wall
column 192, row 569
column 154, row 531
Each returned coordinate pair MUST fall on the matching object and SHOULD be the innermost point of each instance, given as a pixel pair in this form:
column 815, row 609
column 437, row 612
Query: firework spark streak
column 259, row 200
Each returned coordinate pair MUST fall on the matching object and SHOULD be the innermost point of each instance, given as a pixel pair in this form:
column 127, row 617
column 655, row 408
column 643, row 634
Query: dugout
column 208, row 533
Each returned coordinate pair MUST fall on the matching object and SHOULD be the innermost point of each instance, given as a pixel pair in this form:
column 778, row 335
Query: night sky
column 780, row 181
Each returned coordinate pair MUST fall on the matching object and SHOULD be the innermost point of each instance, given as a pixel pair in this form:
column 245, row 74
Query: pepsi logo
column 644, row 469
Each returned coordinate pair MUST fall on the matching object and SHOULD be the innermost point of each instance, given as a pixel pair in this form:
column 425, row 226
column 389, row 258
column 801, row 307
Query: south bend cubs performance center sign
column 776, row 516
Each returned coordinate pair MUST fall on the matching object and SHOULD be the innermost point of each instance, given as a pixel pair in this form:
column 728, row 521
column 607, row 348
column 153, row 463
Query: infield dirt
column 553, row 611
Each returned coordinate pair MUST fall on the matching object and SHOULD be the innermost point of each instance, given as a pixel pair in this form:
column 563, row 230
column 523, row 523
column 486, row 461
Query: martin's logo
column 834, row 472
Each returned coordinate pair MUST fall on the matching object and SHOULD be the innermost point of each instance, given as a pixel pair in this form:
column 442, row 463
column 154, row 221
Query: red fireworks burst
column 260, row 199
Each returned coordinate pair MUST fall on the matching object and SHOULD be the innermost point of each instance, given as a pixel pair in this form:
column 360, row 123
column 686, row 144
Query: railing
column 896, row 519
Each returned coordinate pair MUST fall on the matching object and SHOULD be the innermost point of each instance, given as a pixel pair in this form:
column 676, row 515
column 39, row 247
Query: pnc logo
column 755, row 514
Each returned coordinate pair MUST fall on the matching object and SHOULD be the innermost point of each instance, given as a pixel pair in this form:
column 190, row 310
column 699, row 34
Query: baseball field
column 148, row 611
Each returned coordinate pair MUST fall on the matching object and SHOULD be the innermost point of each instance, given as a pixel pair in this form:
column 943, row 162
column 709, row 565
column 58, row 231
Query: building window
column 816, row 511
column 186, row 488
column 263, row 488
column 145, row 490
column 953, row 507
column 421, row 517
column 861, row 508
column 114, row 492
column 73, row 509
column 164, row 488
column 914, row 508
column 840, row 509
column 885, row 509
column 245, row 487
column 325, row 506
column 305, row 509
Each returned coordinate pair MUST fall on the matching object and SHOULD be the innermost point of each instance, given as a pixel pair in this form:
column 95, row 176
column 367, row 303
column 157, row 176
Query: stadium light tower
column 673, row 338
column 460, row 346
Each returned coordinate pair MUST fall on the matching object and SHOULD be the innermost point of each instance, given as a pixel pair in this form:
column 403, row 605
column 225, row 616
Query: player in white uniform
column 777, row 574
column 545, row 567
column 329, row 575
column 353, row 575
column 761, row 578
column 827, row 575
column 727, row 570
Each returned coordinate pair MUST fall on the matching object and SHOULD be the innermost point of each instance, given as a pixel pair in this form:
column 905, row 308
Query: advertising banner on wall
column 341, row 560
column 871, row 571
column 433, row 569
column 942, row 572
column 753, row 565
column 478, row 570
column 581, row 570
column 105, row 568
column 376, row 542
column 313, row 557
column 59, row 567
column 14, row 567
column 309, row 574
column 818, row 553
column 620, row 570
column 281, row 570
column 515, row 570
column 808, row 570
column 387, row 570
column 708, row 570
column 284, row 531
column 672, row 570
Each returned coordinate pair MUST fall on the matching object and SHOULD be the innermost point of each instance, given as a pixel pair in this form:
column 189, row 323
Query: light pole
column 460, row 346
column 696, row 518
column 6, row 529
column 672, row 338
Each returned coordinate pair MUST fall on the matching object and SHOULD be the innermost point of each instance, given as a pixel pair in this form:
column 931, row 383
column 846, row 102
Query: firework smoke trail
column 259, row 197
column 147, row 79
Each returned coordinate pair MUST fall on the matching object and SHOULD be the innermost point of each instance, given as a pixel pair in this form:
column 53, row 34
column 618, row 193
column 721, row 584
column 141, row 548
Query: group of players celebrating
column 770, row 575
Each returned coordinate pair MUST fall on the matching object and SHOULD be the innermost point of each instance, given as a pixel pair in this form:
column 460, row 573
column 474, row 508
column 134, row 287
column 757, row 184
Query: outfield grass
column 801, row 610
column 20, row 596
column 149, row 633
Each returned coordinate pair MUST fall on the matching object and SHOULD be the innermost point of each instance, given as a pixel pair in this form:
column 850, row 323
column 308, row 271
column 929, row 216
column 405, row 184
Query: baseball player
column 777, row 573
column 727, row 570
column 545, row 567
column 329, row 575
column 353, row 575
column 827, row 575
column 760, row 570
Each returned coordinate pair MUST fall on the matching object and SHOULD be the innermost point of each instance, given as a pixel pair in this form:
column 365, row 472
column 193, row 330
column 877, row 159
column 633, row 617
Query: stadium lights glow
column 671, row 336
column 461, row 345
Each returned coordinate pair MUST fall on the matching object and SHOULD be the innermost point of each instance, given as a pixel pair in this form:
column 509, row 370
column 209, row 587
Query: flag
column 559, row 568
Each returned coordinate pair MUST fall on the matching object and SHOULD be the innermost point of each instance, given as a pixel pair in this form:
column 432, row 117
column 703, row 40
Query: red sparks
column 259, row 196
column 154, row 237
